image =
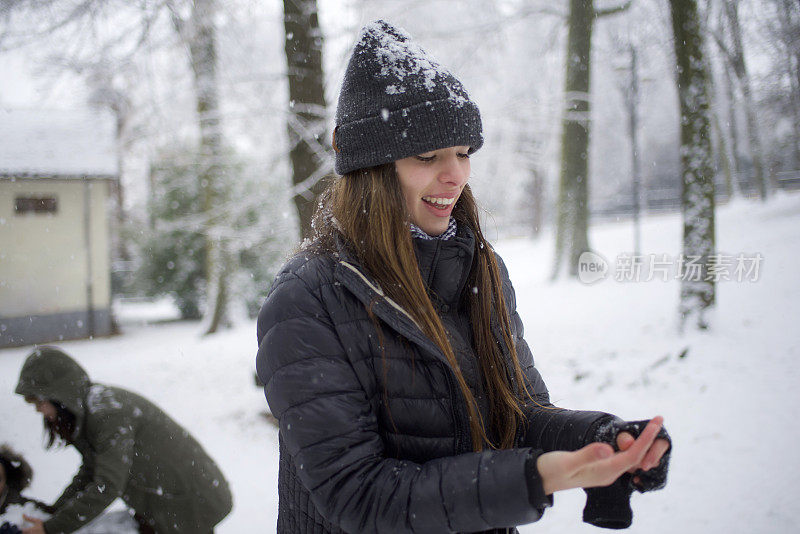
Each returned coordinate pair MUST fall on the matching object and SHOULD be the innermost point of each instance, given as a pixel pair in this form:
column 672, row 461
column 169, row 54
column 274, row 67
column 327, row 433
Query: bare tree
column 195, row 26
column 572, row 222
column 787, row 34
column 307, row 109
column 733, row 52
column 630, row 93
column 724, row 159
column 697, row 285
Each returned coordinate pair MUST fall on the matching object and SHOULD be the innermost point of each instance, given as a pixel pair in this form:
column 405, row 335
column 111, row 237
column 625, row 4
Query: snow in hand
column 609, row 346
column 14, row 513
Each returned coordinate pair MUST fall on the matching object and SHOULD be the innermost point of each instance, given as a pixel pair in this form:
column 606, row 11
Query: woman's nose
column 455, row 172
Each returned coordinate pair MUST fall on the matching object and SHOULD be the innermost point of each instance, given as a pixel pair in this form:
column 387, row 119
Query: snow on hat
column 397, row 101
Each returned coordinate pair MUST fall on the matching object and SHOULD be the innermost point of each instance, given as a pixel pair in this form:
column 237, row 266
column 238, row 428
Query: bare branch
column 723, row 47
column 177, row 21
column 494, row 23
column 28, row 37
column 612, row 10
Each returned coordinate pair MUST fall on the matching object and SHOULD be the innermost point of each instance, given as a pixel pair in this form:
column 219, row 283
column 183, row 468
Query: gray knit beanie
column 397, row 101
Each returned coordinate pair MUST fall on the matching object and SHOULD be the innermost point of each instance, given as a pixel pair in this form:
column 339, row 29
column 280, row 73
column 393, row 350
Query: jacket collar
column 352, row 275
column 445, row 265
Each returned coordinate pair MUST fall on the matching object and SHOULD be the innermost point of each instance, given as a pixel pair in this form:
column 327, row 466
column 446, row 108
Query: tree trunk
column 306, row 117
column 697, row 289
column 537, row 186
column 217, row 295
column 733, row 177
column 122, row 252
column 572, row 217
column 740, row 69
column 722, row 153
column 733, row 130
column 199, row 35
column 572, row 208
column 789, row 20
column 722, row 157
column 632, row 103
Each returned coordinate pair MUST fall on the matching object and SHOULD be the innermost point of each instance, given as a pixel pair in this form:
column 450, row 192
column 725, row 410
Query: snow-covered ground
column 610, row 346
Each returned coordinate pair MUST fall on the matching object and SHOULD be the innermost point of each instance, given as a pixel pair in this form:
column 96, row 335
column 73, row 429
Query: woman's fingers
column 624, row 440
column 635, row 454
column 654, row 453
column 646, row 438
column 600, row 468
column 653, row 457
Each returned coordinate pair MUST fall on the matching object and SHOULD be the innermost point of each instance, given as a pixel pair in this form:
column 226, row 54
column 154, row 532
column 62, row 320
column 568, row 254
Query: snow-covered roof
column 72, row 143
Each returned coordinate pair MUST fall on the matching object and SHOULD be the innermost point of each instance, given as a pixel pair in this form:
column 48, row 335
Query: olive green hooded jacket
column 131, row 449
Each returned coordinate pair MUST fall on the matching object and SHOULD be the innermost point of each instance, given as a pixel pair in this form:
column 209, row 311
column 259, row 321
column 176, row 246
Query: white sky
column 22, row 88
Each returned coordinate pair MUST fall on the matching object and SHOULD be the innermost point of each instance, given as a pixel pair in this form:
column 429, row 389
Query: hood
column 50, row 374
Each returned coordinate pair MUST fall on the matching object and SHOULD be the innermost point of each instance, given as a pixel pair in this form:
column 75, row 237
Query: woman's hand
column 37, row 528
column 651, row 459
column 597, row 464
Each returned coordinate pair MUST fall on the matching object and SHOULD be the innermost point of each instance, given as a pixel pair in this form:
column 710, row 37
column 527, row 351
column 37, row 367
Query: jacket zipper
column 461, row 444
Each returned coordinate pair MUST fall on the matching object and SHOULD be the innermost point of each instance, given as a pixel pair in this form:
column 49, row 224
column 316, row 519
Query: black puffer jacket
column 377, row 439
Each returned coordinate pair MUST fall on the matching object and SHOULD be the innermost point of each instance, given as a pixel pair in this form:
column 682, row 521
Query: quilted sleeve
column 548, row 427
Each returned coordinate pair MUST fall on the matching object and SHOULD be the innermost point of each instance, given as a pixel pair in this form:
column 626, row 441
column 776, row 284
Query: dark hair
column 60, row 431
column 367, row 208
column 18, row 471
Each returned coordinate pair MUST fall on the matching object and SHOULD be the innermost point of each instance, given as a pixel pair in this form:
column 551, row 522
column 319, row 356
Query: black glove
column 653, row 479
column 609, row 507
column 8, row 528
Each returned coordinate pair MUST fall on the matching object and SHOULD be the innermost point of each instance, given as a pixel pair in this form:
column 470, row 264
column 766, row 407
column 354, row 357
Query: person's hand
column 597, row 464
column 651, row 459
column 37, row 528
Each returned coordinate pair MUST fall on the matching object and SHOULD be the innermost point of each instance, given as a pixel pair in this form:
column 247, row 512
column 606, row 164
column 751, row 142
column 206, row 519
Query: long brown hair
column 61, row 431
column 367, row 207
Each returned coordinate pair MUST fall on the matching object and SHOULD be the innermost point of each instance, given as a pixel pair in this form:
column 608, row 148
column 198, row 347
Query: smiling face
column 431, row 184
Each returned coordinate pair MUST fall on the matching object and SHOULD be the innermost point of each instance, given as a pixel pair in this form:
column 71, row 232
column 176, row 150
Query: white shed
column 56, row 168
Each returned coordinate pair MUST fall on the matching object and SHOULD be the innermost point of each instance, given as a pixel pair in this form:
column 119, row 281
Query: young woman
column 390, row 347
column 130, row 449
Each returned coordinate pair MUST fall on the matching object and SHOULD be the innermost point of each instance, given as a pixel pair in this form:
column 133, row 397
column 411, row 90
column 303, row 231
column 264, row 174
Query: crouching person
column 130, row 449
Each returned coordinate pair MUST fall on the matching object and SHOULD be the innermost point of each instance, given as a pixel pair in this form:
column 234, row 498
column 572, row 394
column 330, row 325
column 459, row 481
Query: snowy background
column 612, row 346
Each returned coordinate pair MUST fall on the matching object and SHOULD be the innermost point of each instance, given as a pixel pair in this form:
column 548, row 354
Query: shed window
column 35, row 205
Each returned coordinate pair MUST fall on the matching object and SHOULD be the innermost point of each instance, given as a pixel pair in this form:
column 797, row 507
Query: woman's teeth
column 439, row 202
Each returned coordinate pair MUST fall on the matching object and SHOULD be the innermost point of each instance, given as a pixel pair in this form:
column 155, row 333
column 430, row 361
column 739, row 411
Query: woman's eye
column 464, row 156
column 426, row 158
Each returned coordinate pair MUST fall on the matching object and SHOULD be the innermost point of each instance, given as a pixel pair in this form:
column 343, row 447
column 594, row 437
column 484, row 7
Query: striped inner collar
column 417, row 232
